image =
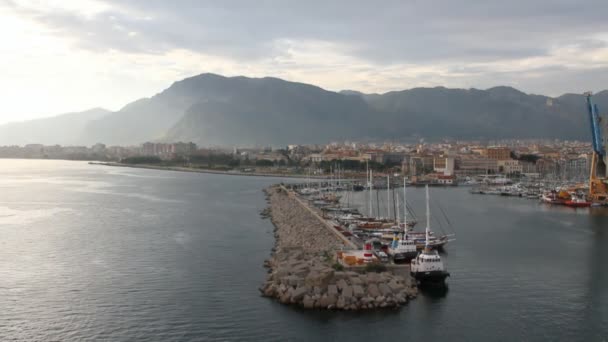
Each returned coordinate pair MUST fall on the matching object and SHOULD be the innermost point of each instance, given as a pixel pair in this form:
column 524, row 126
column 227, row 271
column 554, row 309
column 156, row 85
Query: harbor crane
column 598, row 179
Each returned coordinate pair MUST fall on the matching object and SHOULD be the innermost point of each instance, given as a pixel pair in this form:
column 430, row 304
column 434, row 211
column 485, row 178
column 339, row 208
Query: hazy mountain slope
column 273, row 111
column 212, row 109
column 61, row 129
column 501, row 112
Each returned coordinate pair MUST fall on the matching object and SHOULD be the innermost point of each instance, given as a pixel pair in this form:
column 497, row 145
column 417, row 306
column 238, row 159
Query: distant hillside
column 62, row 129
column 272, row 111
column 215, row 110
column 500, row 112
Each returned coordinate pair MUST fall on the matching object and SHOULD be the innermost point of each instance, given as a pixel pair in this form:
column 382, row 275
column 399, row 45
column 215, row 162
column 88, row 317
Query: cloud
column 144, row 45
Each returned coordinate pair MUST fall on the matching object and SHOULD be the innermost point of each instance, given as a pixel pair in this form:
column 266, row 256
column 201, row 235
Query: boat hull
column 403, row 257
column 575, row 204
column 430, row 277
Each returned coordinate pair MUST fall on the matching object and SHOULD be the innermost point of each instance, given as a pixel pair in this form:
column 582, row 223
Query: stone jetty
column 302, row 270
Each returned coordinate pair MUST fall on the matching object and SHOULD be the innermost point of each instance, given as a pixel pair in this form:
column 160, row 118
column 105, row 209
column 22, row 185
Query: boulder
column 355, row 281
column 298, row 293
column 341, row 284
column 395, row 287
column 292, row 280
column 347, row 292
column 358, row 291
column 372, row 290
column 308, row 302
column 319, row 278
column 399, row 279
column 384, row 289
column 332, row 290
column 328, row 300
column 285, row 298
column 372, row 278
column 340, row 304
column 270, row 291
column 340, row 275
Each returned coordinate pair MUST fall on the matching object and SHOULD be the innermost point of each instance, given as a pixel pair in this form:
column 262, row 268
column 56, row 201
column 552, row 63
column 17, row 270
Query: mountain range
column 210, row 109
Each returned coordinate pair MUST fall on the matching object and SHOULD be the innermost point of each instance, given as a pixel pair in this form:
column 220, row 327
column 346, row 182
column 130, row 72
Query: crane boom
column 596, row 131
column 598, row 179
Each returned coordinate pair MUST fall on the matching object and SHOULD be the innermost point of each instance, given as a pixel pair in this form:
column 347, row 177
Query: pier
column 303, row 269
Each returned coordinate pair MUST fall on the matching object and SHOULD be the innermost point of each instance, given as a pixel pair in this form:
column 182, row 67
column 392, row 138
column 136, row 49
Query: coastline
column 219, row 172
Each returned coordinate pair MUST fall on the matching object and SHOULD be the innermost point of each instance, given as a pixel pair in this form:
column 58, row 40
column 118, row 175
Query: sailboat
column 427, row 267
column 404, row 249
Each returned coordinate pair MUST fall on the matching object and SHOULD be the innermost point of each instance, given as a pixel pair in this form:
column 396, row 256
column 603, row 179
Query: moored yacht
column 427, row 268
column 404, row 249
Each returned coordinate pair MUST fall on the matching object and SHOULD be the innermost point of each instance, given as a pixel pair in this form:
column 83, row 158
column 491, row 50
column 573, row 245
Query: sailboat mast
column 371, row 186
column 404, row 207
column 428, row 218
column 397, row 210
column 388, row 197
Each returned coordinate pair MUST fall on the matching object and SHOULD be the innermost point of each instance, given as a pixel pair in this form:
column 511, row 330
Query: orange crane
column 598, row 179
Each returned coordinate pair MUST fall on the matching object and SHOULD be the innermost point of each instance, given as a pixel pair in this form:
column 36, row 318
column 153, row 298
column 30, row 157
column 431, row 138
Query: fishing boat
column 553, row 197
column 427, row 267
column 577, row 202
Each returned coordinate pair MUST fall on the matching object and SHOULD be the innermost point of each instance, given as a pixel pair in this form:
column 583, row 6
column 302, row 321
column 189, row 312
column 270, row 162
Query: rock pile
column 300, row 269
column 306, row 280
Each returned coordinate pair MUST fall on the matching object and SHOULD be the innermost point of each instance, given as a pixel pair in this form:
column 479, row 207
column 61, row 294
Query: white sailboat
column 427, row 267
column 402, row 249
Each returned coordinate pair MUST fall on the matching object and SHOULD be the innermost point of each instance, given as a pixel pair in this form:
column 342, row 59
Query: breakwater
column 202, row 170
column 302, row 270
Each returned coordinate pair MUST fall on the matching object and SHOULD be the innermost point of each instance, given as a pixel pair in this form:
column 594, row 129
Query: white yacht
column 427, row 267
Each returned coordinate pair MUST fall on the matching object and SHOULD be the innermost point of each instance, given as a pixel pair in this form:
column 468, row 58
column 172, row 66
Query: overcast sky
column 58, row 56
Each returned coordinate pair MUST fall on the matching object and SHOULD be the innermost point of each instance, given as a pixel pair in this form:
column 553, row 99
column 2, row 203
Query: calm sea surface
column 99, row 253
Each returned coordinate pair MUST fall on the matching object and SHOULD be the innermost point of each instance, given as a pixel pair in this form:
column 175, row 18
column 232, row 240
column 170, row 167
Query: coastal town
column 446, row 162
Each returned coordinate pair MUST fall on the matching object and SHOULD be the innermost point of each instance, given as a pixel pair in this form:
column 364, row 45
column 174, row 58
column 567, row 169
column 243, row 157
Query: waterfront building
column 499, row 153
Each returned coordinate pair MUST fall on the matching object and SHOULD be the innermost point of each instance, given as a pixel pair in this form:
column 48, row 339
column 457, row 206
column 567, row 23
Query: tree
column 263, row 163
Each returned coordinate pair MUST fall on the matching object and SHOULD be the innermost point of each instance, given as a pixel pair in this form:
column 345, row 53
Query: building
column 509, row 167
column 474, row 165
column 393, row 157
column 444, row 165
column 168, row 150
column 499, row 153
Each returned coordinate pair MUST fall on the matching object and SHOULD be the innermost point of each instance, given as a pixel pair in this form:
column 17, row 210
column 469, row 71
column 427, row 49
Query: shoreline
column 211, row 171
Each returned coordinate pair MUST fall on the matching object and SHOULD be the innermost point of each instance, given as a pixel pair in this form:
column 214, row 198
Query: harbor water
column 91, row 252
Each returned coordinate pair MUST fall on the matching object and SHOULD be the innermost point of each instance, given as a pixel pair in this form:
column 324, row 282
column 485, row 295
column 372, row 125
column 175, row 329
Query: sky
column 59, row 56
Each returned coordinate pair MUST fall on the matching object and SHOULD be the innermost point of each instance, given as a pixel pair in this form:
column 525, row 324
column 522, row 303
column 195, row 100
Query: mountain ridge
column 214, row 109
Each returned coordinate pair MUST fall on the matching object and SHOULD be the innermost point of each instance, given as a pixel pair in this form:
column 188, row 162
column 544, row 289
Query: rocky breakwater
column 302, row 270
